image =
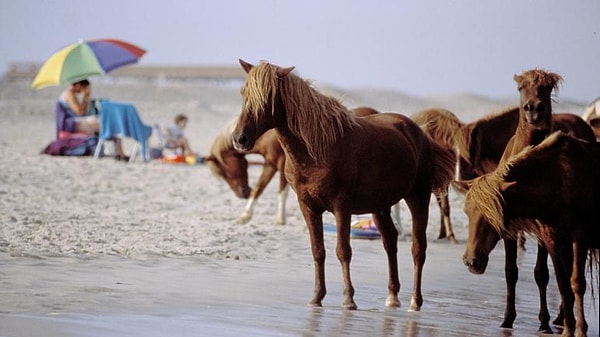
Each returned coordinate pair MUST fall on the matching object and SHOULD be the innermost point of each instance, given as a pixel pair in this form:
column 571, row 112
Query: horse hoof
column 392, row 302
column 350, row 306
column 453, row 240
column 316, row 304
column 244, row 219
column 545, row 329
column 280, row 222
column 414, row 306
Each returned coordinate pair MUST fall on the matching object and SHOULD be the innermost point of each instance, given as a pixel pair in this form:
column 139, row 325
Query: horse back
column 573, row 125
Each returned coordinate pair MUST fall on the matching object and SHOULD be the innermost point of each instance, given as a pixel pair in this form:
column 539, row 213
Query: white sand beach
column 99, row 247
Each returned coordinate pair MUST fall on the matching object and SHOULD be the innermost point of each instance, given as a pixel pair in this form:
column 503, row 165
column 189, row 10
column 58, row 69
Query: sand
column 97, row 247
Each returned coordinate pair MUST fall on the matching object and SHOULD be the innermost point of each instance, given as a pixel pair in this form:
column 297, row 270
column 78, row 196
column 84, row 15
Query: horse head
column 228, row 164
column 484, row 209
column 262, row 107
column 535, row 90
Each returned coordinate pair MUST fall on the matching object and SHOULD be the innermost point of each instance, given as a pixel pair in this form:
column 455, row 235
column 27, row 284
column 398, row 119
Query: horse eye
column 527, row 107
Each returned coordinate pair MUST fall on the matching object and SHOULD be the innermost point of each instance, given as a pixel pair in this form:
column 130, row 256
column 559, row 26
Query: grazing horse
column 534, row 124
column 346, row 165
column 232, row 166
column 442, row 126
column 557, row 183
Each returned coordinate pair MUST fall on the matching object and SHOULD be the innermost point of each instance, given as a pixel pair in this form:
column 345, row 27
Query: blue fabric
column 64, row 120
column 121, row 119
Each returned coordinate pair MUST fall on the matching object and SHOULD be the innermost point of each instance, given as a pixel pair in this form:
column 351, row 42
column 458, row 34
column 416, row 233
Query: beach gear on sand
column 83, row 59
column 361, row 227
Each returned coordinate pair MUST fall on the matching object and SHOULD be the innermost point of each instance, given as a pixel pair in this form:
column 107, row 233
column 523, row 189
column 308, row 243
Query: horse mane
column 317, row 120
column 442, row 128
column 222, row 143
column 540, row 77
column 486, row 190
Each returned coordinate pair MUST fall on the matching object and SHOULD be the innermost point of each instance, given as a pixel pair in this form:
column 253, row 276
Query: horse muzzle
column 476, row 265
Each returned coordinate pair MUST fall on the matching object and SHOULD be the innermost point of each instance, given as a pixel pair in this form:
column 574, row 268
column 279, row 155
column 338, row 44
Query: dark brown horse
column 326, row 148
column 479, row 145
column 534, row 124
column 232, row 166
column 556, row 183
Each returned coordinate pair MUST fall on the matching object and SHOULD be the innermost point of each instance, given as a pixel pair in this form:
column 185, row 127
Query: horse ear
column 517, row 78
column 246, row 66
column 282, row 72
column 505, row 185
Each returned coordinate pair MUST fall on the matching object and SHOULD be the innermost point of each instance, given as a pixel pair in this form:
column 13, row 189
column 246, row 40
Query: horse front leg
column 578, row 285
column 419, row 209
column 389, row 236
column 542, row 276
column 511, row 272
column 344, row 254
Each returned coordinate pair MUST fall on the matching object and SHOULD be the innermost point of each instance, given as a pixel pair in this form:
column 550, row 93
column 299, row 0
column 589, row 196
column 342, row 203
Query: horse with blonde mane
column 534, row 124
column 346, row 165
column 228, row 164
column 557, row 184
column 442, row 126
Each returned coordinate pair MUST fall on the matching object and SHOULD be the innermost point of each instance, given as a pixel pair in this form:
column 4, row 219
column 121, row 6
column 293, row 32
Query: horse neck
column 293, row 147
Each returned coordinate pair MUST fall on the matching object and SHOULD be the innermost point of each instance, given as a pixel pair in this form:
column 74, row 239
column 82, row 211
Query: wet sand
column 103, row 248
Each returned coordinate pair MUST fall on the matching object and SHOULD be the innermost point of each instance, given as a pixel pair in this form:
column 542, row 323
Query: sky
column 427, row 47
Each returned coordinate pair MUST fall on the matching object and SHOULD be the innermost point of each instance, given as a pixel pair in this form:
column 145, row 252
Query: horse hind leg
column 389, row 237
column 344, row 255
column 542, row 277
column 248, row 211
column 578, row 285
column 418, row 205
column 445, row 223
column 281, row 201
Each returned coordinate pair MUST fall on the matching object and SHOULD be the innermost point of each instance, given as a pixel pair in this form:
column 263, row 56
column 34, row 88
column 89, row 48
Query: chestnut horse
column 557, row 183
column 535, row 123
column 327, row 149
column 232, row 166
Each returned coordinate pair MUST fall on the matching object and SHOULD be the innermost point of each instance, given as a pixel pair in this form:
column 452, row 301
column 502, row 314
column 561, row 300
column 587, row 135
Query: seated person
column 76, row 101
column 175, row 137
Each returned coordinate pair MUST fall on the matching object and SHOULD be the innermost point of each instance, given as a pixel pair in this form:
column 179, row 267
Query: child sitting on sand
column 175, row 137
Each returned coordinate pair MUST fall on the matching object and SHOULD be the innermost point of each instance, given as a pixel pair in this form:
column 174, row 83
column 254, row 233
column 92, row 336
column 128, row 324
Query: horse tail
column 443, row 166
column 594, row 266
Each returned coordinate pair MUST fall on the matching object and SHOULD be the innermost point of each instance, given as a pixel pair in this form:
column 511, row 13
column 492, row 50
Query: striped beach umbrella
column 83, row 59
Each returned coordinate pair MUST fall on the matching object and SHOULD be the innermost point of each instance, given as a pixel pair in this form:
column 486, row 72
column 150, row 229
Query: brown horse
column 442, row 126
column 326, row 148
column 556, row 183
column 479, row 145
column 232, row 166
column 534, row 124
